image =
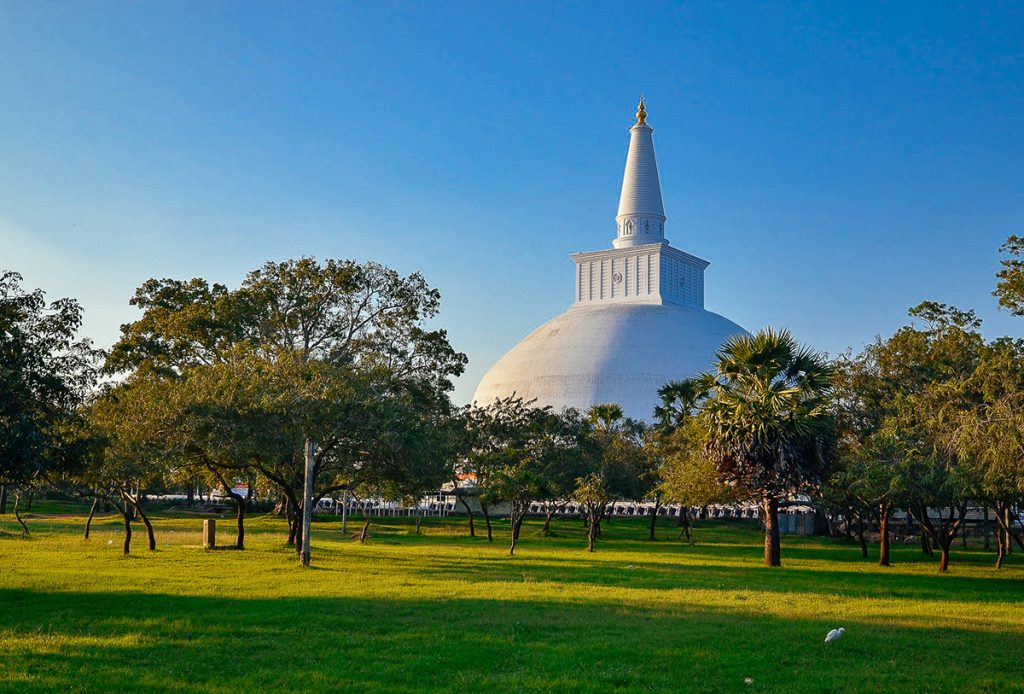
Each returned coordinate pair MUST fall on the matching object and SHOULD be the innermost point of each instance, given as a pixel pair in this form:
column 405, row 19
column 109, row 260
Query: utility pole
column 344, row 512
column 307, row 503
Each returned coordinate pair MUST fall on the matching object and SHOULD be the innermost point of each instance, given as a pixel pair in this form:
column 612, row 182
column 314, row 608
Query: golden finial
column 641, row 112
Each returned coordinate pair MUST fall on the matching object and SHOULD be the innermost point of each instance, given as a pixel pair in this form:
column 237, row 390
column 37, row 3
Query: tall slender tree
column 768, row 422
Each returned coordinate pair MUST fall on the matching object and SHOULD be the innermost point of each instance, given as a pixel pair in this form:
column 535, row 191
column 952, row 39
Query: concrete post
column 307, row 502
column 209, row 533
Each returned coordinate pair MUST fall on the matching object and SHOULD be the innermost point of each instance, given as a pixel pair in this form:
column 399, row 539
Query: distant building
column 638, row 320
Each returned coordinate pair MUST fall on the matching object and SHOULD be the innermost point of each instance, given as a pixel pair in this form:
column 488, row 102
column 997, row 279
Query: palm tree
column 767, row 419
column 605, row 416
column 679, row 400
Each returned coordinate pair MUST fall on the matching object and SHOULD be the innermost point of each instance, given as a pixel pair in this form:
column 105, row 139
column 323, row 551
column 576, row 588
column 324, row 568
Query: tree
column 933, row 366
column 767, row 419
column 494, row 446
column 45, row 375
column 568, row 459
column 685, row 475
column 1010, row 279
column 680, row 401
column 532, row 453
column 867, row 480
column 618, row 465
column 131, row 424
column 999, row 422
column 688, row 477
column 989, row 437
column 333, row 353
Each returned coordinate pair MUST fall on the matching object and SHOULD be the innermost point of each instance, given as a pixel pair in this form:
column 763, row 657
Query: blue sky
column 836, row 162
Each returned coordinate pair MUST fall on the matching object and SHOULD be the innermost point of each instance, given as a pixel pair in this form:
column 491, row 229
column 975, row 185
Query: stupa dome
column 614, row 353
column 638, row 321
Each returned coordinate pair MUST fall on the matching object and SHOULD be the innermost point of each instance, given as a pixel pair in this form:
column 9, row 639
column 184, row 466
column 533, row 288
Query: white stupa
column 638, row 321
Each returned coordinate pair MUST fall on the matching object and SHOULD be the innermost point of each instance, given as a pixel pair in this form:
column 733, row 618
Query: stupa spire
column 641, row 217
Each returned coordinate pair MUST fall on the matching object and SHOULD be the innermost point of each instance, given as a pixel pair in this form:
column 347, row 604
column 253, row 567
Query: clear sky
column 836, row 162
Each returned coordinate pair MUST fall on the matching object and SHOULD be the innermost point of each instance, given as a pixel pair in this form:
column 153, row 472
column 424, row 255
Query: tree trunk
column 487, row 520
column 592, row 529
column 1012, row 536
column 984, row 529
column 772, row 543
column 31, row 496
column 883, row 532
column 821, row 525
column 1008, row 531
column 654, row 520
column 17, row 501
column 469, row 512
column 1000, row 548
column 3, row 499
column 127, row 516
column 240, row 519
column 145, row 521
column 363, row 532
column 1003, row 541
column 860, row 536
column 925, row 545
column 944, row 556
column 547, row 523
column 517, row 523
column 92, row 512
column 239, row 508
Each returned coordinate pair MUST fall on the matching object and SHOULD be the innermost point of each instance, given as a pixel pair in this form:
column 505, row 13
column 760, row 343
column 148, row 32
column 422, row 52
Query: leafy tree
column 45, row 375
column 460, row 434
column 689, row 477
column 487, row 430
column 619, row 465
column 998, row 425
column 685, row 475
column 767, row 420
column 534, row 451
column 933, row 367
column 1010, row 279
column 333, row 354
column 867, row 481
column 571, row 451
column 131, row 423
column 989, row 437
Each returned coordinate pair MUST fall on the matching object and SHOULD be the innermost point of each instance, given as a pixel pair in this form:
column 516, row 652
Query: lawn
column 441, row 610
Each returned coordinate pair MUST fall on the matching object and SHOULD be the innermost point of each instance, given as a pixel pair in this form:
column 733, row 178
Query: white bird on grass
column 834, row 635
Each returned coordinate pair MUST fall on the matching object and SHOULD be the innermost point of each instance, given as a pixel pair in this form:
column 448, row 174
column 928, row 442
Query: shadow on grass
column 158, row 642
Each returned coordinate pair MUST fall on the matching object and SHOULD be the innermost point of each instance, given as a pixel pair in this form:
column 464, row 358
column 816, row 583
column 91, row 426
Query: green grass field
column 445, row 611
